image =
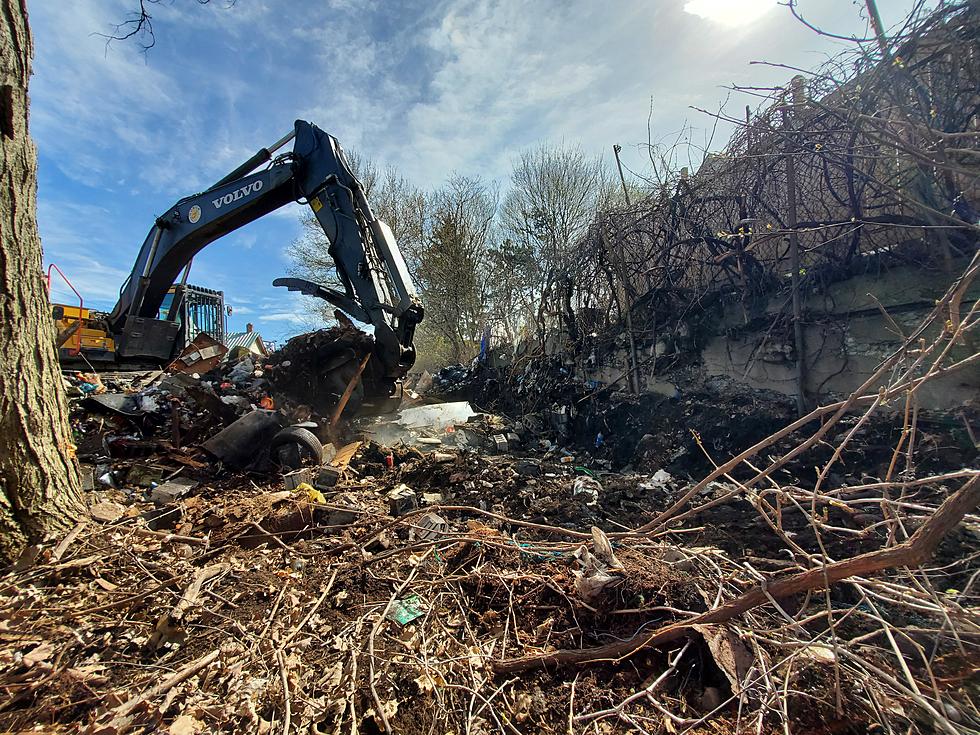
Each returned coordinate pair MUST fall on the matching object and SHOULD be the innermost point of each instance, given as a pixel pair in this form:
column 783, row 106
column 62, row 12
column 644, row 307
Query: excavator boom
column 378, row 289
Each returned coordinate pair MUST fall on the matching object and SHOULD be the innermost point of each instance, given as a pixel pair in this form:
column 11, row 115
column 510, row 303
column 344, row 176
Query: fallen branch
column 168, row 537
column 124, row 715
column 126, row 600
column 67, row 541
column 193, row 591
column 284, row 675
column 316, row 606
column 911, row 553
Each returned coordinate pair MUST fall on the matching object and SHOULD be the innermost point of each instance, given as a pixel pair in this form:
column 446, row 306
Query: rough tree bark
column 39, row 484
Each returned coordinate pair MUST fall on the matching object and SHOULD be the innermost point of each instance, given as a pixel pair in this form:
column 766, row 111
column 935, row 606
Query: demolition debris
column 444, row 568
column 522, row 547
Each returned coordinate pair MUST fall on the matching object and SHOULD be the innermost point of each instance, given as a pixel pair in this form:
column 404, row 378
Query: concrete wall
column 846, row 339
column 841, row 356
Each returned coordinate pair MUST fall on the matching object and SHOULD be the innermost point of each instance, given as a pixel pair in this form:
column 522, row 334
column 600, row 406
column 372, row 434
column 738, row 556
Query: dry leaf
column 522, row 706
column 481, row 529
column 821, row 654
column 427, row 681
column 41, row 653
column 604, row 550
column 334, row 675
column 185, row 725
column 87, row 675
column 165, row 632
column 390, row 710
column 732, row 656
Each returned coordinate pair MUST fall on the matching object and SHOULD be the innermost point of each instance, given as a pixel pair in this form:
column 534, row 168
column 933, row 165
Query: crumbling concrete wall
column 847, row 336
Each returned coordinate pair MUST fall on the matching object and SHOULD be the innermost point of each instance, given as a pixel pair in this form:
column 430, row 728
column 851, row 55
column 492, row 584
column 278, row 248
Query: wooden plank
column 345, row 455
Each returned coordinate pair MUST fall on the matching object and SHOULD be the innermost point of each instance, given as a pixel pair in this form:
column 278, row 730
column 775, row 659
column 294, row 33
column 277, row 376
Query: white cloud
column 497, row 74
column 504, row 76
column 283, row 325
column 456, row 85
column 97, row 282
column 113, row 116
column 78, row 238
column 284, row 316
column 90, row 99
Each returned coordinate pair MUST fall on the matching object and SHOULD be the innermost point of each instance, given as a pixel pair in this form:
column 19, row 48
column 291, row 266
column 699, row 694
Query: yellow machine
column 83, row 334
column 80, row 333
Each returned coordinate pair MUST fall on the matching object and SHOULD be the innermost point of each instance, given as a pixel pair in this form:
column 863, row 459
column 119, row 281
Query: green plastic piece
column 405, row 611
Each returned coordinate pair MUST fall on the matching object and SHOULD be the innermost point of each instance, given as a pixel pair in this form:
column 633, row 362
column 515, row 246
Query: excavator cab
column 196, row 309
column 186, row 311
column 79, row 333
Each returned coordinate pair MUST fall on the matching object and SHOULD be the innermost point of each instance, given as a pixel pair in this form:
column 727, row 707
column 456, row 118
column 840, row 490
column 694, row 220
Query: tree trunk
column 39, row 484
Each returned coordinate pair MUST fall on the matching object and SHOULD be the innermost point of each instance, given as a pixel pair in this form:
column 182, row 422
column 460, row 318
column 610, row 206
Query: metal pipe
column 282, row 141
column 81, row 306
column 153, row 252
column 263, row 155
column 879, row 27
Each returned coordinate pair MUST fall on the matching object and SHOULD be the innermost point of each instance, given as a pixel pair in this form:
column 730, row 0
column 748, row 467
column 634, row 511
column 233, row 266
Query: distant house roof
column 251, row 341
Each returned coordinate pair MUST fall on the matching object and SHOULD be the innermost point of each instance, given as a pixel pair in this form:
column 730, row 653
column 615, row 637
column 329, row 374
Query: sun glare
column 729, row 12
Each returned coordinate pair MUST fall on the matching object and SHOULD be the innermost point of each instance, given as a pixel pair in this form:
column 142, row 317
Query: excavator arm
column 378, row 289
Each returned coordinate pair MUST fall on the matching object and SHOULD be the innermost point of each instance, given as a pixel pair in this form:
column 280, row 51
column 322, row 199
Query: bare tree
column 512, row 271
column 392, row 199
column 445, row 237
column 139, row 25
column 453, row 265
column 556, row 193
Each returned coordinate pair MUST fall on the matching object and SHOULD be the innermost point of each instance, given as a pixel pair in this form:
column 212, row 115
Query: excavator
column 377, row 288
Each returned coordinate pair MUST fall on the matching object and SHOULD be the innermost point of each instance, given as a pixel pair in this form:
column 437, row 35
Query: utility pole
column 616, row 149
column 794, row 248
column 878, row 26
column 620, row 267
column 626, row 307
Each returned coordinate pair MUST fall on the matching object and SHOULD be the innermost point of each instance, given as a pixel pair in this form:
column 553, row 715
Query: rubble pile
column 589, row 565
column 652, row 430
column 306, row 367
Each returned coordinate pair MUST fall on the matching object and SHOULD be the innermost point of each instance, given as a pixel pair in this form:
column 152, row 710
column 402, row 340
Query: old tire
column 305, row 438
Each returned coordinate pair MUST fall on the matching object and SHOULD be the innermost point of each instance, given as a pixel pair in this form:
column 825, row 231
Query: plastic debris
column 586, row 489
column 297, row 478
column 402, row 500
column 429, row 527
column 312, row 494
column 405, row 611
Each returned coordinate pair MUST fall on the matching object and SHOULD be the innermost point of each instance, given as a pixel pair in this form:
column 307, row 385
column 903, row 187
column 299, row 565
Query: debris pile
column 437, row 593
column 648, row 431
column 306, row 368
column 474, row 572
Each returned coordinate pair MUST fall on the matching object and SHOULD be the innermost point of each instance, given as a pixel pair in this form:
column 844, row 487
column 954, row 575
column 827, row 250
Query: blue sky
column 431, row 87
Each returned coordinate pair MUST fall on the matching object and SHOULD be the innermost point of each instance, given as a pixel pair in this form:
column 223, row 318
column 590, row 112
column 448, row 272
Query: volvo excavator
column 377, row 288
